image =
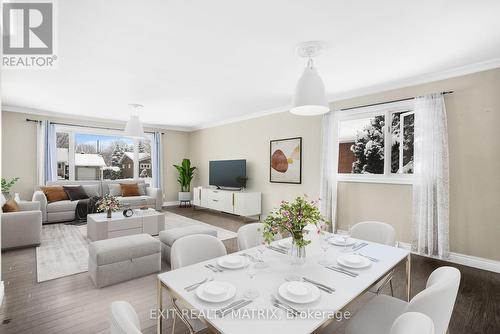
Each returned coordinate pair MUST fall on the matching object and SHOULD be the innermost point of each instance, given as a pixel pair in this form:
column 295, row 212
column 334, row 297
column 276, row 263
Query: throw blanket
column 85, row 207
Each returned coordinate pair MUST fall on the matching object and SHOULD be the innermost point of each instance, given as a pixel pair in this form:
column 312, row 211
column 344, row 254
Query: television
column 228, row 173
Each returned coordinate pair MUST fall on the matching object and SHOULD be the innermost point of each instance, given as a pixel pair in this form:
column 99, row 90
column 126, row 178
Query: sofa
column 22, row 228
column 61, row 211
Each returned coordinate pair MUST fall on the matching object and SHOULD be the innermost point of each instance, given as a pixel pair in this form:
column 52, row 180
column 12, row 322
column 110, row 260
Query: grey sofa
column 65, row 210
column 23, row 228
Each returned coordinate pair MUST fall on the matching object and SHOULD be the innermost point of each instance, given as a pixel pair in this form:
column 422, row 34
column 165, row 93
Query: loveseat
column 65, row 210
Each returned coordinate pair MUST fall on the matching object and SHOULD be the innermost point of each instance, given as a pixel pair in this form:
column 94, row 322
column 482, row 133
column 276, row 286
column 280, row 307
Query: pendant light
column 310, row 96
column 134, row 126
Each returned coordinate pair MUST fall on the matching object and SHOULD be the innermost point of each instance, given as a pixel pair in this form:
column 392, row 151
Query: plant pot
column 184, row 195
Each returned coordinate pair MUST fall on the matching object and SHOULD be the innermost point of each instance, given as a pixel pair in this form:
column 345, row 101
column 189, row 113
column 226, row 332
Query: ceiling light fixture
column 310, row 96
column 134, row 126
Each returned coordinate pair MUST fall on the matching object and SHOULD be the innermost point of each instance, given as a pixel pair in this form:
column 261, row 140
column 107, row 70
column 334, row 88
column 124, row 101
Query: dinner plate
column 339, row 241
column 353, row 261
column 216, row 291
column 285, row 243
column 299, row 292
column 232, row 262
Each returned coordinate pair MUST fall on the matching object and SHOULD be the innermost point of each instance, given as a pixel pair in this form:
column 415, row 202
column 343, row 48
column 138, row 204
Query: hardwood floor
column 73, row 305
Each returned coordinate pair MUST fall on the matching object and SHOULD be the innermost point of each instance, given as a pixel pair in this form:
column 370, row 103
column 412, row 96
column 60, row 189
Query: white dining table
column 315, row 316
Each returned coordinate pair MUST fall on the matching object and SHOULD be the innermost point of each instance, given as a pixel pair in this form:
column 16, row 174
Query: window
column 370, row 148
column 94, row 154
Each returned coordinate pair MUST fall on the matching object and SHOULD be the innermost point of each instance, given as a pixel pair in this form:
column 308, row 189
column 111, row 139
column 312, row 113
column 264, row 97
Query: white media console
column 241, row 203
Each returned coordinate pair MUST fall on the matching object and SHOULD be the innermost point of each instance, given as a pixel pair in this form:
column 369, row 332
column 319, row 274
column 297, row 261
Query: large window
column 88, row 154
column 376, row 143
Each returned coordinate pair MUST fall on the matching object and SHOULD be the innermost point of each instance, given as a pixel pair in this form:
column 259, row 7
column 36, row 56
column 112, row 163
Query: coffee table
column 148, row 221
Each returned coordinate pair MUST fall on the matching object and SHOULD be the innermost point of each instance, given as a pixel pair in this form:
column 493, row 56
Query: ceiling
column 195, row 63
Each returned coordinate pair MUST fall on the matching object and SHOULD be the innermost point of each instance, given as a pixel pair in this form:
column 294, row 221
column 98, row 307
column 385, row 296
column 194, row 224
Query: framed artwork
column 286, row 160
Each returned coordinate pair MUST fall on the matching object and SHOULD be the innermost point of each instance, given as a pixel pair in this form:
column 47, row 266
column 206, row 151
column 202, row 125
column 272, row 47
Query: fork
column 274, row 299
column 368, row 257
column 195, row 284
column 213, row 268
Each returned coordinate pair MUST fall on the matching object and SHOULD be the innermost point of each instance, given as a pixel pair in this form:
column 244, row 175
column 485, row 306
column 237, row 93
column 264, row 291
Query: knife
column 341, row 271
column 235, row 308
column 358, row 247
column 319, row 285
column 227, row 307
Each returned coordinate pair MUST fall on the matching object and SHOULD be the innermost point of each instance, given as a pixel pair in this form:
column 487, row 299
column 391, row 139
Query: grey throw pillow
column 115, row 189
column 91, row 190
column 142, row 188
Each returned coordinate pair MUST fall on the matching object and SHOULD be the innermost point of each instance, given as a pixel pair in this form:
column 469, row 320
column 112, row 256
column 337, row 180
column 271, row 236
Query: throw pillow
column 91, row 190
column 10, row 206
column 114, row 189
column 129, row 189
column 75, row 193
column 54, row 193
column 142, row 188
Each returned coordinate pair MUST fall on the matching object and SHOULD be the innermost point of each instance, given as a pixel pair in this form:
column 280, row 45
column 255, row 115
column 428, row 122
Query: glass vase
column 298, row 254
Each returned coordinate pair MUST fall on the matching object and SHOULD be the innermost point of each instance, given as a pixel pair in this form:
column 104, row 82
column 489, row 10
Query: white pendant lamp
column 134, row 126
column 310, row 96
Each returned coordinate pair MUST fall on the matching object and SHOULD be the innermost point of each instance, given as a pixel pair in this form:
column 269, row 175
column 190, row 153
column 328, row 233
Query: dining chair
column 190, row 250
column 123, row 319
column 436, row 301
column 412, row 323
column 247, row 235
column 381, row 233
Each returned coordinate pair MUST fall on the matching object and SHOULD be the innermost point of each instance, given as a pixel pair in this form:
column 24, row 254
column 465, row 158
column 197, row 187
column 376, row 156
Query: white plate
column 232, row 262
column 215, row 288
column 285, row 243
column 312, row 292
column 347, row 261
column 230, row 292
column 339, row 241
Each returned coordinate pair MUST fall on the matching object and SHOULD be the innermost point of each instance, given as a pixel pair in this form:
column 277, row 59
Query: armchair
column 22, row 228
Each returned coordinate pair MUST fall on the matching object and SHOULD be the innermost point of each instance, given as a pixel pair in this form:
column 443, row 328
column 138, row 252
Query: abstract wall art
column 286, row 160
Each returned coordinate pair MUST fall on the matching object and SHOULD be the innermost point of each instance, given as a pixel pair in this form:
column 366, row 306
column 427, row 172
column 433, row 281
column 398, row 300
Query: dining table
column 261, row 315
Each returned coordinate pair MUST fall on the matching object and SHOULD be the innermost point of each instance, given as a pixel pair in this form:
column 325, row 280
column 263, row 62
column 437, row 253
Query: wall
column 473, row 121
column 19, row 152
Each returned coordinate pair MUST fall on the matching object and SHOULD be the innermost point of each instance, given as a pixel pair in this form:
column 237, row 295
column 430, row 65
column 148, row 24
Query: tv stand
column 237, row 202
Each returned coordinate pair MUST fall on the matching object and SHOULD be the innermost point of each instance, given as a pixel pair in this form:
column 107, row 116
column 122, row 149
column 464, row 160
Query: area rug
column 64, row 248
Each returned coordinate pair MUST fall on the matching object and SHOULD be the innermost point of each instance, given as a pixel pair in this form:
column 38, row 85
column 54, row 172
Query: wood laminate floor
column 73, row 305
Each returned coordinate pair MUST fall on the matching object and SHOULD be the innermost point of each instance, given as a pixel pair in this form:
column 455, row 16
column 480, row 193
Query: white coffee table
column 100, row 227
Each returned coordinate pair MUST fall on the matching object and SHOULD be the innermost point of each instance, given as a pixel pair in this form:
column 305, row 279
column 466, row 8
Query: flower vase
column 298, row 254
column 108, row 213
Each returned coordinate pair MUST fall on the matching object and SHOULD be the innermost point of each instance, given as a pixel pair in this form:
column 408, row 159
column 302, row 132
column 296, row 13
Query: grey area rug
column 63, row 250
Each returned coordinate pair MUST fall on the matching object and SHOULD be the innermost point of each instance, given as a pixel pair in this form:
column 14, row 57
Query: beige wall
column 473, row 121
column 19, row 152
column 250, row 140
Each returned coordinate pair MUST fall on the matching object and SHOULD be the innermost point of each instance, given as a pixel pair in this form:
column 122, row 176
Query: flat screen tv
column 227, row 173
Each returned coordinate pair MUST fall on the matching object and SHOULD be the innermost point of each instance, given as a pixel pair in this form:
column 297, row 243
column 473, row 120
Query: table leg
column 159, row 310
column 408, row 277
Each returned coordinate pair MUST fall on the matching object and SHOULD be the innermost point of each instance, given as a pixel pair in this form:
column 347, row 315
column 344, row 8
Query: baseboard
column 171, row 203
column 466, row 260
column 2, row 292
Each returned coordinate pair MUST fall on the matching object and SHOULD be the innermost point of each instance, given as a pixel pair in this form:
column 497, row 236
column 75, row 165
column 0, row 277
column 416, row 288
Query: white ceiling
column 193, row 63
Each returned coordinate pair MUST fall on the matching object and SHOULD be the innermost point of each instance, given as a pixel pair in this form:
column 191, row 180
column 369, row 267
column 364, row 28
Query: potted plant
column 7, row 186
column 186, row 174
column 291, row 218
column 108, row 204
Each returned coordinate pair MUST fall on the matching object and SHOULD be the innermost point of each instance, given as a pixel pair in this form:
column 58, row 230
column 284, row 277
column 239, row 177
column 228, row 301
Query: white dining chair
column 436, row 301
column 123, row 319
column 381, row 233
column 247, row 235
column 190, row 250
column 413, row 323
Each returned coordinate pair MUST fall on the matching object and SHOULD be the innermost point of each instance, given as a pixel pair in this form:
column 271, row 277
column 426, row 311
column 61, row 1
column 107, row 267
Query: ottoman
column 121, row 259
column 168, row 237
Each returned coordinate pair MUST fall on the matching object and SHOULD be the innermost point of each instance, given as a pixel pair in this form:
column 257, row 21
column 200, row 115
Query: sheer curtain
column 328, row 167
column 46, row 152
column 431, row 187
column 156, row 160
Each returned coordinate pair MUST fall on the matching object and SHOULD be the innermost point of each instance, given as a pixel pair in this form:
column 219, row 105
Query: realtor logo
column 28, row 29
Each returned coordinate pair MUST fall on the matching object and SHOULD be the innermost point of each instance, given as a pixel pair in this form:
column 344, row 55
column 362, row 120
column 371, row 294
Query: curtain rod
column 85, row 126
column 387, row 102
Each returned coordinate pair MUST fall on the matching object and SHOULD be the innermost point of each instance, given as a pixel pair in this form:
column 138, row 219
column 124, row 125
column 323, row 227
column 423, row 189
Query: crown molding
column 110, row 122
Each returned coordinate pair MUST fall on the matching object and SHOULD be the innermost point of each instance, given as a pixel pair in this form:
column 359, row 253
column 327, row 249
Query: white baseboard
column 466, row 260
column 171, row 203
column 2, row 291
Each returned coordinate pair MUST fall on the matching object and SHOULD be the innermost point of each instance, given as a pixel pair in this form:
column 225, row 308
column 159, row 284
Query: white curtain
column 329, row 167
column 431, row 187
column 46, row 152
column 156, row 160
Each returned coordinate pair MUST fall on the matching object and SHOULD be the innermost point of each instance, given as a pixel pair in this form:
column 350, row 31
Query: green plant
column 291, row 218
column 186, row 174
column 7, row 185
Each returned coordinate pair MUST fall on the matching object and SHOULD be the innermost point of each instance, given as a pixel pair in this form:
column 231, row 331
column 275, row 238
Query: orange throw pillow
column 55, row 193
column 130, row 189
column 10, row 206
